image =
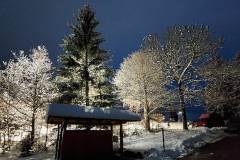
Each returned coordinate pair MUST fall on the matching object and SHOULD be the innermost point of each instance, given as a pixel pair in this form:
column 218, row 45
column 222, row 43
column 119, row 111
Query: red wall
column 81, row 144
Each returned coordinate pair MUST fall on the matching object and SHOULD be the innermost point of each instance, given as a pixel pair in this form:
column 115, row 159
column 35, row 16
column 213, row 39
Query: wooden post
column 121, row 139
column 57, row 143
column 63, row 128
column 60, row 142
column 163, row 140
column 111, row 127
column 46, row 138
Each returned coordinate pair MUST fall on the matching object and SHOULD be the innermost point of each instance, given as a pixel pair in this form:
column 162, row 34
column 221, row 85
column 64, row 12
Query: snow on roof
column 87, row 112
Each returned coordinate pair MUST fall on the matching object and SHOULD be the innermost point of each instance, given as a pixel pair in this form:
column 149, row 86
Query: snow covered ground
column 39, row 156
column 177, row 142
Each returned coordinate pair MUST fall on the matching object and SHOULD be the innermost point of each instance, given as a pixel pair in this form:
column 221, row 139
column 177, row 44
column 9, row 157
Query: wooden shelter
column 77, row 144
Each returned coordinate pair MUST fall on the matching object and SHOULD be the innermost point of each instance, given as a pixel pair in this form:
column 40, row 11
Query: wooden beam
column 63, row 128
column 57, row 142
column 111, row 127
column 121, row 138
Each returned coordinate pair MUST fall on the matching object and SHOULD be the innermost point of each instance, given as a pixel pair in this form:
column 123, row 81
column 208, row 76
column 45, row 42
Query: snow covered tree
column 30, row 81
column 138, row 81
column 8, row 119
column 104, row 93
column 8, row 127
column 223, row 80
column 184, row 51
column 83, row 58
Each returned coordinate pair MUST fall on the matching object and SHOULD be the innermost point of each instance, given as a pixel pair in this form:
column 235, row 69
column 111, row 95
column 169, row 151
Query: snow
column 87, row 112
column 178, row 143
column 38, row 156
column 172, row 125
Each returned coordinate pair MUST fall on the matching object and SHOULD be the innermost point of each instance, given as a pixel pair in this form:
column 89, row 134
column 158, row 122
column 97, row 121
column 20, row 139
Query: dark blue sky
column 28, row 23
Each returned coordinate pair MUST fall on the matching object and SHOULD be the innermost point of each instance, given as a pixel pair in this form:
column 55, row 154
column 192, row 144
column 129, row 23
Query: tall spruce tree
column 80, row 78
column 105, row 94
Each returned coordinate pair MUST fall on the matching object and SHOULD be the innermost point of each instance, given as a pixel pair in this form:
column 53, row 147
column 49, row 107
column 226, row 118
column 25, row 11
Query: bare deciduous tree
column 185, row 50
column 138, row 80
column 222, row 93
column 29, row 78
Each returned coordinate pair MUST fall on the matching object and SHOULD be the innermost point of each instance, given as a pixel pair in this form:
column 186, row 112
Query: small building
column 203, row 120
column 204, row 116
column 85, row 144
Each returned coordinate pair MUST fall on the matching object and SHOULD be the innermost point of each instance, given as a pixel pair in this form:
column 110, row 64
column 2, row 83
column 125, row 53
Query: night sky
column 28, row 23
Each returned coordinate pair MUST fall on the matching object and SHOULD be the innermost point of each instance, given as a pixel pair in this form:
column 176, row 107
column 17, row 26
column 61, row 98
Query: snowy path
column 227, row 148
column 151, row 140
column 177, row 142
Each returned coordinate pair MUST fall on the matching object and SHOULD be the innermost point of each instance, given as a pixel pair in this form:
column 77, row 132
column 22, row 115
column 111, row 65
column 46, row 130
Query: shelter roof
column 75, row 114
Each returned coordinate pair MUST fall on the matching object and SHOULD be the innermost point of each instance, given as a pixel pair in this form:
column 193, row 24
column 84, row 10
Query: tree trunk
column 146, row 118
column 46, row 138
column 9, row 137
column 100, row 94
column 146, row 109
column 146, row 115
column 8, row 132
column 32, row 133
column 4, row 144
column 182, row 106
column 86, row 79
column 87, row 92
